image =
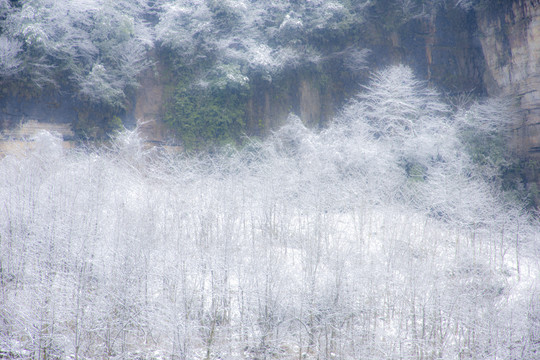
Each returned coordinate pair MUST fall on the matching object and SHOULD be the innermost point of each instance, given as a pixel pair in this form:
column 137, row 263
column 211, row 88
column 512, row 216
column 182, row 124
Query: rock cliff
column 510, row 38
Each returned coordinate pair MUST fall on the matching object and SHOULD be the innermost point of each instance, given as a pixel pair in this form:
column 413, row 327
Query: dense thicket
column 377, row 238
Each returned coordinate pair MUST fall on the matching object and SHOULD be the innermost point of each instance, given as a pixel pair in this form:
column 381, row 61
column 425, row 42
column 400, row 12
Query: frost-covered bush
column 97, row 47
column 10, row 62
column 485, row 129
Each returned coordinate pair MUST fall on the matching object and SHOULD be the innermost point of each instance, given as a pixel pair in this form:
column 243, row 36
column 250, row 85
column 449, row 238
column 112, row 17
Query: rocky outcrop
column 16, row 108
column 510, row 38
column 309, row 93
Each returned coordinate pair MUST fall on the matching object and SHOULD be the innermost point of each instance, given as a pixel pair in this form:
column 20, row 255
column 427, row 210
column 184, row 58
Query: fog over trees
column 376, row 238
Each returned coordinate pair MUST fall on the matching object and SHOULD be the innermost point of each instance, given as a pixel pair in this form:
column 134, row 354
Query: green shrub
column 203, row 117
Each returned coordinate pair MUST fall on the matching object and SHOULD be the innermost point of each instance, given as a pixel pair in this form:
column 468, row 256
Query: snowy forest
column 395, row 231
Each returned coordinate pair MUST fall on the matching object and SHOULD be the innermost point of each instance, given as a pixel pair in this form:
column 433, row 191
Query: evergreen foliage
column 204, row 117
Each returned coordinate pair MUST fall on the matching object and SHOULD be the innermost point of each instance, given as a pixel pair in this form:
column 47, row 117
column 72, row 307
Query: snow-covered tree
column 10, row 62
column 68, row 42
column 260, row 36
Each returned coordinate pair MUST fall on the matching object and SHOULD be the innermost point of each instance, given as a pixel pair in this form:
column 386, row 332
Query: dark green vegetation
column 202, row 117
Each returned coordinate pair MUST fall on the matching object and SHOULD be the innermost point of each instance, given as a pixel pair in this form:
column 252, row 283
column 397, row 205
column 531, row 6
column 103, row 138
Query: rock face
column 148, row 108
column 442, row 48
column 510, row 38
column 307, row 93
column 20, row 138
column 48, row 108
